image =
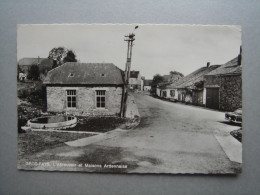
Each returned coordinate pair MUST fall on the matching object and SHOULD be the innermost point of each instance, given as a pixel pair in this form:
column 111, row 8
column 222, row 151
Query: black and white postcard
column 130, row 98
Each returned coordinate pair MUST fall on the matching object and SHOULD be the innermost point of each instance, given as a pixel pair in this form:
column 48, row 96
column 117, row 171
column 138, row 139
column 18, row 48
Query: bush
column 23, row 93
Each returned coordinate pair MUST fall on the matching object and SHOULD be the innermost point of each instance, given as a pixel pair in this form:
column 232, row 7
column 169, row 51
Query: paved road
column 171, row 138
column 175, row 138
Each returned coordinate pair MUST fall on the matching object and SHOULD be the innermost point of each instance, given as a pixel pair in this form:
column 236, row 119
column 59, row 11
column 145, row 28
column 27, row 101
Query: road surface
column 171, row 138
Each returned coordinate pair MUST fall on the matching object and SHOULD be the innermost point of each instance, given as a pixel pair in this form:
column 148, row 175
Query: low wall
column 132, row 112
column 57, row 125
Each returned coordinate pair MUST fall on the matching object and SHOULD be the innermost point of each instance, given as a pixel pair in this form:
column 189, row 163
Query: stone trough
column 53, row 122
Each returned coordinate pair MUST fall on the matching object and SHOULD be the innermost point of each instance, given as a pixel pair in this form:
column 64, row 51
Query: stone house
column 85, row 89
column 135, row 80
column 189, row 89
column 223, row 86
column 192, row 89
column 44, row 64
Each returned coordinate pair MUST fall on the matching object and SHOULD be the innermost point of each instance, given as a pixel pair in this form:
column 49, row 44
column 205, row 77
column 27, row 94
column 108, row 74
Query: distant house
column 147, row 85
column 85, row 89
column 135, row 80
column 22, row 76
column 44, row 64
column 190, row 88
column 161, row 89
column 224, row 86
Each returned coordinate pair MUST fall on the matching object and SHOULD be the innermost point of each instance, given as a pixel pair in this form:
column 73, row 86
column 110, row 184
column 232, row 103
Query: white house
column 135, row 80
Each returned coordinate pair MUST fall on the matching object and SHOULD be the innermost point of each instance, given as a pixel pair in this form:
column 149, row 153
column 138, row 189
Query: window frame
column 71, row 93
column 102, row 93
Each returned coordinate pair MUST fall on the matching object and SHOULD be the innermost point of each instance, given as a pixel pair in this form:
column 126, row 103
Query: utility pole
column 129, row 39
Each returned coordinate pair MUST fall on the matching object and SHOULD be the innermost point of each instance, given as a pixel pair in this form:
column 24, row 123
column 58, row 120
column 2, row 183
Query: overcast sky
column 157, row 48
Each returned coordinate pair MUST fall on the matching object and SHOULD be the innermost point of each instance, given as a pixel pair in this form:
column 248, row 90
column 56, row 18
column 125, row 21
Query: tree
column 176, row 72
column 157, row 79
column 71, row 57
column 33, row 72
column 60, row 55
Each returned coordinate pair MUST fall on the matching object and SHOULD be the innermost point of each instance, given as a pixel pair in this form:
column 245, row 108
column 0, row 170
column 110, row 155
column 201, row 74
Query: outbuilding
column 85, row 89
column 224, row 86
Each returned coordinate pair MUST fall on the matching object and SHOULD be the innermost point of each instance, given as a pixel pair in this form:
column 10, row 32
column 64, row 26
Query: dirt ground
column 33, row 142
column 98, row 124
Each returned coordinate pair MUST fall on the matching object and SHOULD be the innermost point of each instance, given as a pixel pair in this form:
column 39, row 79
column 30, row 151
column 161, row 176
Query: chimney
column 38, row 60
column 208, row 64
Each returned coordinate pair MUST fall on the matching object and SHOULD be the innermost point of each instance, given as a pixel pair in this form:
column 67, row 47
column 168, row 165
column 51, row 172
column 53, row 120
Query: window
column 164, row 93
column 71, row 98
column 101, row 98
column 172, row 93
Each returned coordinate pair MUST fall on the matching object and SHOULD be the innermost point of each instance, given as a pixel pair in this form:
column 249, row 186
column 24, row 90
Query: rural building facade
column 135, row 80
column 191, row 89
column 85, row 89
column 214, row 86
column 44, row 65
column 162, row 90
column 224, row 86
column 147, row 85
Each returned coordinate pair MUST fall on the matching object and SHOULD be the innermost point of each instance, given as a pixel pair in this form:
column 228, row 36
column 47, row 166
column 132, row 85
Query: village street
column 171, row 138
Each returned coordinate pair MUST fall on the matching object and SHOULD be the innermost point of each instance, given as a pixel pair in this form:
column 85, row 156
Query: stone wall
column 230, row 90
column 86, row 100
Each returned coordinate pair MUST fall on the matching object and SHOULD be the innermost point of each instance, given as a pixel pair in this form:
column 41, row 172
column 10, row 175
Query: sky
column 158, row 49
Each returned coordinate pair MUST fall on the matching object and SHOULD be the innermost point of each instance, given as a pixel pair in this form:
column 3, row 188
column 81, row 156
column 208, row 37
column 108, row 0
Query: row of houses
column 212, row 86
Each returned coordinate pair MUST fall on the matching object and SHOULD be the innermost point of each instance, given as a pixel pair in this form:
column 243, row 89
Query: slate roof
column 44, row 63
column 167, row 77
column 193, row 78
column 85, row 73
column 134, row 74
column 148, row 82
column 232, row 67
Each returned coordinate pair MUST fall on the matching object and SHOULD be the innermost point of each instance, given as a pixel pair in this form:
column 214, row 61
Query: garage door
column 212, row 98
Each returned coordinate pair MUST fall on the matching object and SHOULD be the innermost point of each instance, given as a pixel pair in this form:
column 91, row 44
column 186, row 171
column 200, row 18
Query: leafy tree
column 60, row 55
column 157, row 79
column 71, row 57
column 33, row 72
column 176, row 72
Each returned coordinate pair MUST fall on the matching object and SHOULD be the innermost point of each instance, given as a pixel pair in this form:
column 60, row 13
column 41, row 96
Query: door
column 212, row 98
column 197, row 97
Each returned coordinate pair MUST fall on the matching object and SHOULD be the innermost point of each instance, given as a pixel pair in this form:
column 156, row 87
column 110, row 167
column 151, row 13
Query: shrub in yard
column 21, row 123
column 33, row 72
column 23, row 93
column 237, row 134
